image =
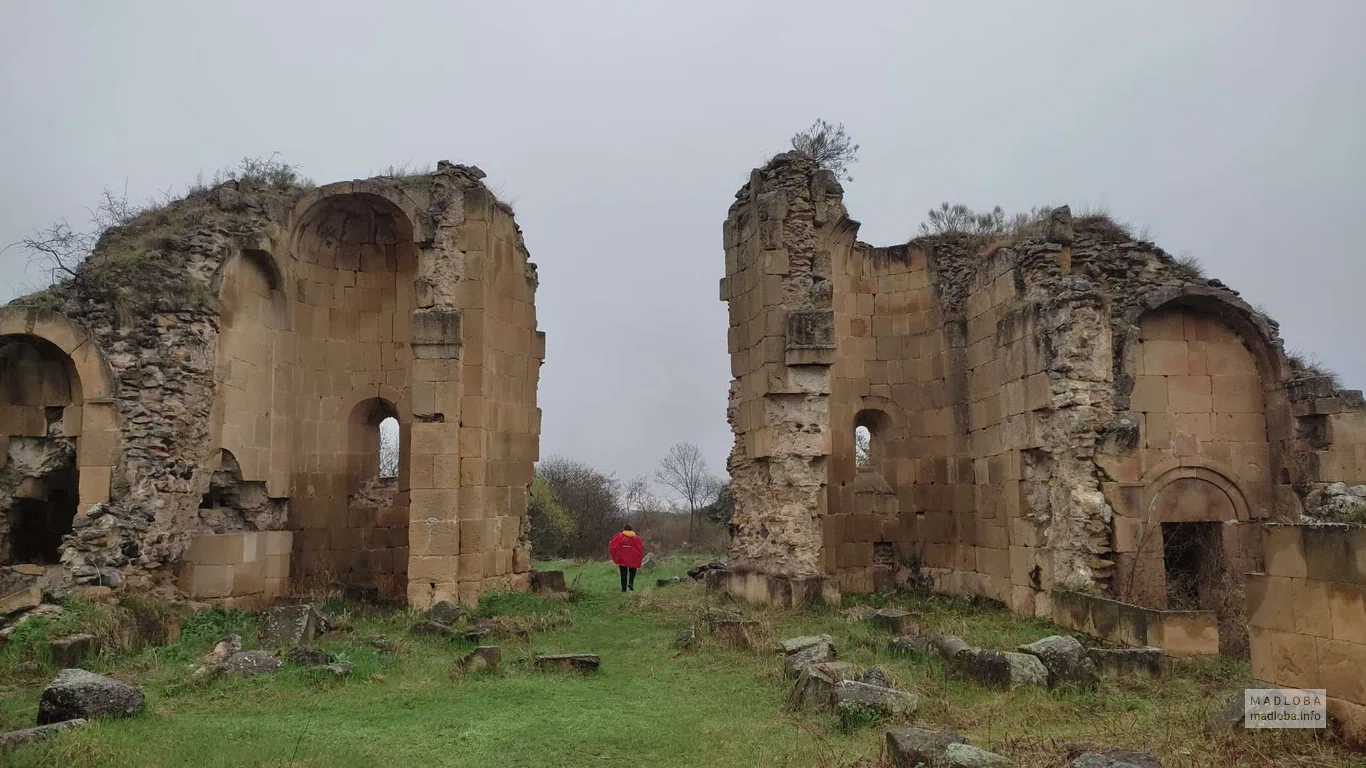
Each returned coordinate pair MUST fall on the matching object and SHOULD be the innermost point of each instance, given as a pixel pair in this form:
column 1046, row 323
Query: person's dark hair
column 626, row 527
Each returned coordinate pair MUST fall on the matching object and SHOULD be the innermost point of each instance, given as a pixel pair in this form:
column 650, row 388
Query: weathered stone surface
column 446, row 612
column 549, row 583
column 917, row 747
column 309, row 656
column 1115, row 758
column 30, row 735
column 381, row 643
column 794, row 644
column 429, row 628
column 876, row 676
column 795, row 662
column 947, row 647
column 1231, row 716
column 252, row 664
column 687, row 639
column 21, row 600
column 815, row 686
column 669, row 581
column 1065, row 659
column 71, row 650
column 336, row 670
column 485, row 657
column 289, row 625
column 699, row 572
column 910, row 645
column 1000, row 669
column 1117, row 662
column 967, row 756
column 858, row 702
column 76, row 693
column 569, row 662
column 897, row 621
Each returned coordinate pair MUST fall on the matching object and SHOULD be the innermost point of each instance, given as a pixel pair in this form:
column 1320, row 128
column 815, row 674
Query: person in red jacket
column 627, row 549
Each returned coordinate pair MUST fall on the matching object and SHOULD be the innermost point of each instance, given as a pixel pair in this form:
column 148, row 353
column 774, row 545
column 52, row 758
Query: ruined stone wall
column 1039, row 406
column 258, row 336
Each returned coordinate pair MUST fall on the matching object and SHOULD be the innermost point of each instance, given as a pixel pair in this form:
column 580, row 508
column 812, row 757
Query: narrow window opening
column 1192, row 555
column 863, row 447
column 388, row 448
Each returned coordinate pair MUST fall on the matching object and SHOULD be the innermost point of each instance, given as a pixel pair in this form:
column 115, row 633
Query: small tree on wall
column 829, row 146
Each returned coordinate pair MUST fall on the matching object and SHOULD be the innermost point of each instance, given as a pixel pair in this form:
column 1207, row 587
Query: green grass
column 648, row 705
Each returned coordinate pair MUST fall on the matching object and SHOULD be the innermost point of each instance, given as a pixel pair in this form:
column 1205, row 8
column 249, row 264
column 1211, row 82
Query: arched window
column 870, row 430
column 863, row 446
column 388, row 448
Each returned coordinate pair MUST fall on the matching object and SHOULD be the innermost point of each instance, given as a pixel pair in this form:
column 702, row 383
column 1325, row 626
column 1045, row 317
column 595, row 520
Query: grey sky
column 1235, row 131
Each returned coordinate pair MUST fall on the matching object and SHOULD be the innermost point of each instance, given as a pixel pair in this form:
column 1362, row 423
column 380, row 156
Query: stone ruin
column 1068, row 415
column 199, row 405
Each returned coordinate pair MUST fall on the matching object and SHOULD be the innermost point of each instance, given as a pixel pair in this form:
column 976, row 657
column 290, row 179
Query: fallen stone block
column 794, row 644
column 446, row 612
column 687, row 639
column 1119, row 662
column 947, row 647
column 30, row 735
column 381, row 643
column 71, row 650
column 999, row 669
column 429, row 628
column 286, row 626
column 909, row 645
column 1066, row 661
column 815, row 686
column 252, row 664
column 21, row 600
column 897, row 621
column 967, row 756
column 569, row 662
column 485, row 657
column 76, row 693
column 699, row 572
column 858, row 703
column 549, row 584
column 223, row 650
column 1087, row 756
column 309, row 656
column 669, row 581
column 875, row 675
column 795, row 662
column 918, row 747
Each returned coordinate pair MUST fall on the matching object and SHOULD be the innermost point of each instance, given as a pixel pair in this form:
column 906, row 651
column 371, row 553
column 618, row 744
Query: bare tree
column 638, row 496
column 59, row 250
column 388, row 448
column 592, row 500
column 829, row 146
column 685, row 472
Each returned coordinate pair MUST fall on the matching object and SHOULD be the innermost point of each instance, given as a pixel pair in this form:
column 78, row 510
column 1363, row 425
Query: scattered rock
column 1087, row 756
column 381, row 643
column 289, row 625
column 445, row 612
column 858, row 703
column 252, row 664
column 875, row 676
column 22, row 600
column 309, row 656
column 1229, row 717
column 962, row 755
column 223, row 650
column 30, row 735
column 76, row 693
column 27, row 569
column 913, row 747
column 909, row 645
column 477, row 634
column 897, row 621
column 1118, row 662
column 571, row 662
column 549, row 584
column 669, row 581
column 1000, row 669
column 815, row 686
column 687, row 639
column 336, row 670
column 429, row 628
column 699, row 572
column 794, row 644
column 488, row 657
column 71, row 650
column 947, row 647
column 1065, row 659
column 819, row 653
column 712, row 616
column 857, row 613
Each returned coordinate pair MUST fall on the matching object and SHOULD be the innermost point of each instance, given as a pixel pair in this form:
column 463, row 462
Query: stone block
column 216, row 549
column 1313, row 615
column 1283, row 551
column 1341, row 668
column 208, row 581
column 1347, row 607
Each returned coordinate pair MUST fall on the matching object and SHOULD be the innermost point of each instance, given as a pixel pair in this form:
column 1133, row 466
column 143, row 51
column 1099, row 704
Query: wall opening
column 870, row 433
column 39, row 520
column 863, row 446
column 233, row 504
column 1192, row 555
column 388, row 448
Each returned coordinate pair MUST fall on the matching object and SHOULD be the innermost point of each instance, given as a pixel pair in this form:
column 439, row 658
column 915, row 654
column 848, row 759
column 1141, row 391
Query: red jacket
column 627, row 549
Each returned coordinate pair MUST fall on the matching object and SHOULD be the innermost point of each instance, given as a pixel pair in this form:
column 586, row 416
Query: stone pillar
column 434, row 458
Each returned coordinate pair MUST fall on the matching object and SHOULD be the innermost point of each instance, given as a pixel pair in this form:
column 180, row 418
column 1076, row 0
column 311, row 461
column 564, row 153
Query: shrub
column 829, row 146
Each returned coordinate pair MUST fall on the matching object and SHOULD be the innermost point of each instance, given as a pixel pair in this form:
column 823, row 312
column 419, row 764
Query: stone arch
column 350, row 228
column 1257, row 335
column 1193, row 493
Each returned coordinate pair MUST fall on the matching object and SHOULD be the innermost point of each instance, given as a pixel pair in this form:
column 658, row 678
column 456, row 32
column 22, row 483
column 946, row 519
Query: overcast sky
column 1234, row 131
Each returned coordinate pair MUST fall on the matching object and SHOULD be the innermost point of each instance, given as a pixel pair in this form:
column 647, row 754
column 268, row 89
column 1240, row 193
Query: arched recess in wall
column 882, row 421
column 376, row 519
column 254, row 369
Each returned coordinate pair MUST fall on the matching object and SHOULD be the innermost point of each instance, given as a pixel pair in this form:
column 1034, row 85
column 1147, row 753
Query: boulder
column 687, row 639
column 252, row 664
column 477, row 634
column 1087, row 756
column 909, row 645
column 309, row 656
column 967, row 756
column 485, row 657
column 1000, row 669
column 795, row 662
column 912, row 747
column 1065, row 659
column 947, row 647
column 24, row 599
column 570, row 662
column 30, row 735
column 429, row 628
column 381, row 643
column 669, row 581
column 71, row 650
column 223, row 650
column 445, row 612
column 699, row 572
column 76, row 693
column 1119, row 662
column 815, row 686
column 286, row 626
column 857, row 703
column 549, row 583
column 794, row 644
column 875, row 676
column 897, row 621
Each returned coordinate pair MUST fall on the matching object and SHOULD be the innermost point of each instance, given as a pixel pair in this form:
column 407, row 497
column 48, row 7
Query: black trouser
column 628, row 578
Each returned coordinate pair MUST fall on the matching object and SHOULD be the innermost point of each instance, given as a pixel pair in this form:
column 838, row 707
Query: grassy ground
column 649, row 705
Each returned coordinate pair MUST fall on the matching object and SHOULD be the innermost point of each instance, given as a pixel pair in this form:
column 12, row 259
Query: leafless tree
column 592, row 499
column 829, row 146
column 388, row 448
column 639, row 496
column 60, row 249
column 684, row 471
